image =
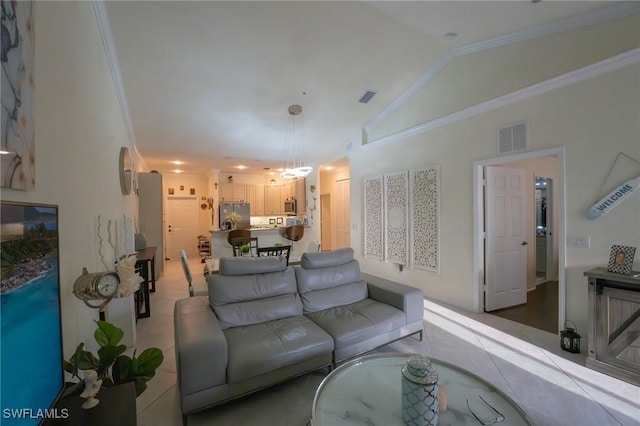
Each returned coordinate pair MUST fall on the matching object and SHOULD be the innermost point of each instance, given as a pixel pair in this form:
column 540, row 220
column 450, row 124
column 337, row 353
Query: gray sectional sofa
column 265, row 322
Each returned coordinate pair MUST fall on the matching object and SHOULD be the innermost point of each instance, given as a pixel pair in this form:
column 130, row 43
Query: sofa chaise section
column 359, row 315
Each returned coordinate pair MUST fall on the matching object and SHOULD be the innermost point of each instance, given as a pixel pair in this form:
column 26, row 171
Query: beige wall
column 592, row 119
column 477, row 77
column 79, row 132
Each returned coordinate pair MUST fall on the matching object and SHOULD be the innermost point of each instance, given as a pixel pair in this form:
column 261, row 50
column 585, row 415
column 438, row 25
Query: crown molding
column 104, row 27
column 618, row 10
column 619, row 61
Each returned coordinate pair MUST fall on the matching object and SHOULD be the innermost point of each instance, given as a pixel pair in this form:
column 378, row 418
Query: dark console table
column 146, row 265
column 614, row 324
column 117, row 407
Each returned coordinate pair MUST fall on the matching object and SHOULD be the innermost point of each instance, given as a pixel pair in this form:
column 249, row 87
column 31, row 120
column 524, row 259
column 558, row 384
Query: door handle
column 524, row 243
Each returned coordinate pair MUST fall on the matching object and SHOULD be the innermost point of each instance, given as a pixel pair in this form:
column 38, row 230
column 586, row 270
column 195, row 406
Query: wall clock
column 96, row 286
column 125, row 171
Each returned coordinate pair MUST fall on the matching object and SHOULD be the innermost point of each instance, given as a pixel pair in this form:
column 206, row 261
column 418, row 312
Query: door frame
column 478, row 226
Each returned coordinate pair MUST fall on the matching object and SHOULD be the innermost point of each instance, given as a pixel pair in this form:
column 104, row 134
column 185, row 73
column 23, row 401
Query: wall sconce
column 273, row 181
column 215, row 185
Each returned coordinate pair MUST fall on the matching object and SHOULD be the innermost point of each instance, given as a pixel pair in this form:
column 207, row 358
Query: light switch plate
column 582, row 241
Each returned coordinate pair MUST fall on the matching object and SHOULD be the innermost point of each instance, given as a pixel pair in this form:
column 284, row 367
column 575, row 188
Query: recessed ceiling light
column 329, row 168
column 241, row 167
column 450, row 35
column 177, row 171
column 178, row 162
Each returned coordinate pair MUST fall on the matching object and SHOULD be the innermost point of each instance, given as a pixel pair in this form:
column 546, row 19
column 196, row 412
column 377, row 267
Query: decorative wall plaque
column 424, row 218
column 396, row 194
column 373, row 218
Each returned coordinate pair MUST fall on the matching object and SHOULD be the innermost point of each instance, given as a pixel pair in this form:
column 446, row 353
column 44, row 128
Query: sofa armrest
column 200, row 344
column 409, row 300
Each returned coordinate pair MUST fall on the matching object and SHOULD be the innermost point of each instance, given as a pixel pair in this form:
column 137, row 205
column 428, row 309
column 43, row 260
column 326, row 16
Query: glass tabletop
column 367, row 391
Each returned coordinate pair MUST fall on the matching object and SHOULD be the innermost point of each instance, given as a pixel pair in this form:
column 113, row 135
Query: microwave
column 291, row 207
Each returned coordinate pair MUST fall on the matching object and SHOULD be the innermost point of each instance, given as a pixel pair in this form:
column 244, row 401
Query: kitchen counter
column 267, row 236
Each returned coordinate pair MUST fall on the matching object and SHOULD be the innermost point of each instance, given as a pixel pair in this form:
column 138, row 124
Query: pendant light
column 296, row 162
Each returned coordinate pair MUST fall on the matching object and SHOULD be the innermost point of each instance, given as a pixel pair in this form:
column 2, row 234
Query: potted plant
column 246, row 248
column 111, row 365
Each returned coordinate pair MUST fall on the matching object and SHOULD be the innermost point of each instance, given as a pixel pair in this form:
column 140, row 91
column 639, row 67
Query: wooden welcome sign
column 612, row 199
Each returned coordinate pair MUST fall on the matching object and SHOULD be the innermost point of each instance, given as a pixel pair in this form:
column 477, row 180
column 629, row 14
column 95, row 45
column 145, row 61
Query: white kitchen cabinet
column 301, row 195
column 255, row 197
column 272, row 201
column 232, row 192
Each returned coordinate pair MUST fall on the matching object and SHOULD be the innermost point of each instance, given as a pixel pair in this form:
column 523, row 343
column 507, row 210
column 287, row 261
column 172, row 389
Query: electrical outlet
column 582, row 241
column 354, row 226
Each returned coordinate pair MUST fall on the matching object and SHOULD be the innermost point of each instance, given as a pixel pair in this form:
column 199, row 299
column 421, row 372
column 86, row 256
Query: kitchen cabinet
column 301, row 195
column 232, row 192
column 151, row 215
column 272, row 200
column 255, row 197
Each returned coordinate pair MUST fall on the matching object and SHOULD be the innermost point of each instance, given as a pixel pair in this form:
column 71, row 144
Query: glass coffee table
column 367, row 391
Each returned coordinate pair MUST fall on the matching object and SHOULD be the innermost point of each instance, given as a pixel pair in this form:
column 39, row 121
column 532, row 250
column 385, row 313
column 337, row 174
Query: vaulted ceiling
column 209, row 82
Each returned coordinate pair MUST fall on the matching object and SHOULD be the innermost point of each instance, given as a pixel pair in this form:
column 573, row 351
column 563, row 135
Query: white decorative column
column 121, row 312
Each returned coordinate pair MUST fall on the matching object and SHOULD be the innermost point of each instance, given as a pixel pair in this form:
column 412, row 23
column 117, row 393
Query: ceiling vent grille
column 366, row 97
column 512, row 138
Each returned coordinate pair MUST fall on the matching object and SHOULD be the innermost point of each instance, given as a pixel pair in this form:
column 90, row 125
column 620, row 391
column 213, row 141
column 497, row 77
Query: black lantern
column 570, row 339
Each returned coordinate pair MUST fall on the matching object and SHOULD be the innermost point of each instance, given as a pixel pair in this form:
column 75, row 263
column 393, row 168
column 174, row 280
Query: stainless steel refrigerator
column 241, row 209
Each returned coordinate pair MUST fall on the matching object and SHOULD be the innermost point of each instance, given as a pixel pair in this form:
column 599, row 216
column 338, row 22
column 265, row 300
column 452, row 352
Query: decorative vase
column 419, row 392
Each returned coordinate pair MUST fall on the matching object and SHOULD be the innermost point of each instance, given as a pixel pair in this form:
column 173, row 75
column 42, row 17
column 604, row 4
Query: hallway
column 540, row 311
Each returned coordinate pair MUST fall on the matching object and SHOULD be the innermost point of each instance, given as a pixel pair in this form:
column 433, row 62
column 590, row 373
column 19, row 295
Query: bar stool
column 294, row 233
column 238, row 233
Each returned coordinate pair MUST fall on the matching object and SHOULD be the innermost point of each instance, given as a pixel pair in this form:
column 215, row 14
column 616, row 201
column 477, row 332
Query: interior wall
column 79, row 131
column 480, row 76
column 594, row 120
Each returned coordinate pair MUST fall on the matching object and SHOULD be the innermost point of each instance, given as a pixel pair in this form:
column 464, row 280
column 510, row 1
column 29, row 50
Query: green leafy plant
column 277, row 245
column 111, row 365
column 245, row 248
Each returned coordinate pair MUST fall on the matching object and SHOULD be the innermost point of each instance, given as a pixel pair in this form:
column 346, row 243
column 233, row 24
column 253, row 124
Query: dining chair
column 187, row 270
column 239, row 245
column 275, row 251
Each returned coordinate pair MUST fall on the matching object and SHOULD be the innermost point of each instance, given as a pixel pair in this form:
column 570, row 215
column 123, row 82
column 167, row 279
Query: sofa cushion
column 330, row 286
column 358, row 321
column 251, row 265
column 239, row 300
column 267, row 346
column 326, row 258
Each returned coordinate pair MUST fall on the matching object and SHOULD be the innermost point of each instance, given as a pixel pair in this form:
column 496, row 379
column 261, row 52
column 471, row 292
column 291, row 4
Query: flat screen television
column 31, row 355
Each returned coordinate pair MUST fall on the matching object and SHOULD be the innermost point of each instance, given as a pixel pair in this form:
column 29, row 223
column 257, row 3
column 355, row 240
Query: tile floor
column 551, row 385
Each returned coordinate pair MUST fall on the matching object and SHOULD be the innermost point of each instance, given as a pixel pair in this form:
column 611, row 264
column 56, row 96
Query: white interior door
column 325, row 222
column 343, row 215
column 182, row 225
column 506, row 254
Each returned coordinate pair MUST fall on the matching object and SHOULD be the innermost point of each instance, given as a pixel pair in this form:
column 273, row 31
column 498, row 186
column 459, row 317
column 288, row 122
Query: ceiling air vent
column 366, row 97
column 512, row 138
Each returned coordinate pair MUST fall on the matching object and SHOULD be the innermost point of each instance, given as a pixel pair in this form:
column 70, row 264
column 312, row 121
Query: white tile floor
column 551, row 385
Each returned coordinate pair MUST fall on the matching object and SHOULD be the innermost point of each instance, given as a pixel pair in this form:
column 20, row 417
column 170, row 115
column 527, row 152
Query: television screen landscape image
column 31, row 359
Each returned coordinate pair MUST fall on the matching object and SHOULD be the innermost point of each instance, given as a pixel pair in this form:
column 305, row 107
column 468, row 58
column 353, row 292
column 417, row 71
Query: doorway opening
column 546, row 299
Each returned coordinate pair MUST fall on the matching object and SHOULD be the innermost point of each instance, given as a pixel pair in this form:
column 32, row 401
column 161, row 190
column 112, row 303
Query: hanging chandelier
column 296, row 166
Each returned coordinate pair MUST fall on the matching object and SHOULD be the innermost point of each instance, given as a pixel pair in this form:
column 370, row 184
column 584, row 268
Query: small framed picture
column 192, row 191
column 279, row 221
column 621, row 259
column 272, row 221
column 171, row 191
